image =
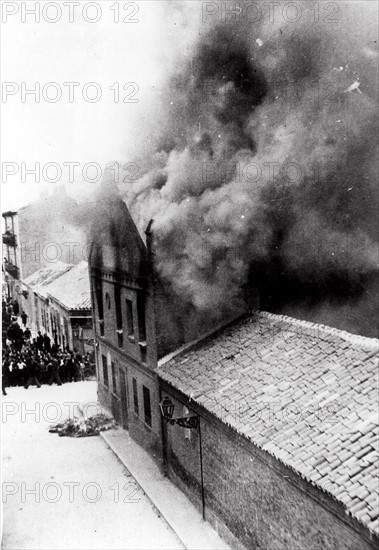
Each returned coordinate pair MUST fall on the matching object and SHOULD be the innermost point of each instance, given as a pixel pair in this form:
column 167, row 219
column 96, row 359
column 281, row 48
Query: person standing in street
column 27, row 335
column 24, row 318
column 39, row 341
column 53, row 368
column 5, row 375
column 32, row 371
column 46, row 343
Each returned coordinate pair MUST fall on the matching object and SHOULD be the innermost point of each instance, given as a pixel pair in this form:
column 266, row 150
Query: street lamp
column 167, row 408
column 191, row 422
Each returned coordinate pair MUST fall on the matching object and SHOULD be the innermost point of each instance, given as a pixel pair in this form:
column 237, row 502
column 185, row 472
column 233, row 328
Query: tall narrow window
column 141, row 316
column 117, row 299
column 100, row 307
column 141, row 325
column 135, row 397
column 147, row 405
column 114, row 381
column 105, row 371
column 129, row 317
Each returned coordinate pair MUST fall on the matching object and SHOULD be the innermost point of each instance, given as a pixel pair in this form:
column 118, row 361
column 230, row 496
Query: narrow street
column 62, row 492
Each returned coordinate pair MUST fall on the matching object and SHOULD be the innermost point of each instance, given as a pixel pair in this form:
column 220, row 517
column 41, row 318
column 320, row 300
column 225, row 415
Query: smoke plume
column 263, row 169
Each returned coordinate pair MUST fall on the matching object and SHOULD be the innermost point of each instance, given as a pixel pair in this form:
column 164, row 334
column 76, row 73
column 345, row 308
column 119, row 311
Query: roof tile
column 283, row 382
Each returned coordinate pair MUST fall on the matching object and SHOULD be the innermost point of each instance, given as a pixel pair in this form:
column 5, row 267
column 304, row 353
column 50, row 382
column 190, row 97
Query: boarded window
column 135, row 397
column 147, row 405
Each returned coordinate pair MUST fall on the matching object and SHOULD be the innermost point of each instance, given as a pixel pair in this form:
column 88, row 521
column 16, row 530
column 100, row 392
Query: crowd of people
column 35, row 361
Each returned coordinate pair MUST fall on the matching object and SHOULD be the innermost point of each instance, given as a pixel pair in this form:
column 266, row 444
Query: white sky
column 104, row 52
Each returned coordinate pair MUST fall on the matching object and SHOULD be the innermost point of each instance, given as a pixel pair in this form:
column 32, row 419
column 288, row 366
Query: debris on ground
column 83, row 427
column 355, row 86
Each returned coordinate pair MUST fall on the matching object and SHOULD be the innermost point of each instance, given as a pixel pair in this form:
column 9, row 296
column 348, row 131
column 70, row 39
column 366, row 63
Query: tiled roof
column 38, row 280
column 72, row 289
column 305, row 393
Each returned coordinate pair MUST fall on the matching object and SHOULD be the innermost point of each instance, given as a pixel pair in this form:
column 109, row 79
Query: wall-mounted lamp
column 192, row 422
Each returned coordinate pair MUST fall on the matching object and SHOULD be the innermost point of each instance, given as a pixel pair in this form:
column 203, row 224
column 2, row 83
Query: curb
column 154, row 504
column 168, row 502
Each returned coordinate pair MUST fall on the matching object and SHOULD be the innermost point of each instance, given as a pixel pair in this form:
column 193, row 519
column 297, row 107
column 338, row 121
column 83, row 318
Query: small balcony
column 13, row 270
column 9, row 239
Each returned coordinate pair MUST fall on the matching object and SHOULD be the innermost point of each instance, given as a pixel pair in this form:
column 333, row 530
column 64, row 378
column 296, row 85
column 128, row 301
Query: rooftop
column 39, row 280
column 72, row 289
column 303, row 392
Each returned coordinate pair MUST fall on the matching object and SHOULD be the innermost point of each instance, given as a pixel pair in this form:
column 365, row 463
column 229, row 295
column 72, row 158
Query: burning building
column 255, row 190
column 287, row 408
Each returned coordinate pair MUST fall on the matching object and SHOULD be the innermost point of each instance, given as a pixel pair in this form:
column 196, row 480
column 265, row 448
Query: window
column 147, row 405
column 129, row 317
column 108, row 300
column 105, row 371
column 143, row 350
column 114, row 381
column 117, row 299
column 141, row 316
column 135, row 397
column 142, row 325
column 99, row 300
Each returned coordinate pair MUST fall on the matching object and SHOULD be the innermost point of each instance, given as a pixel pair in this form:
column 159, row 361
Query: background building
column 69, row 300
column 57, row 300
column 11, row 255
column 48, row 230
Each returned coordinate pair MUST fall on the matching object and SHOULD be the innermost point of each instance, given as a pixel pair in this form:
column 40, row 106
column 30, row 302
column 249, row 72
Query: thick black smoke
column 263, row 170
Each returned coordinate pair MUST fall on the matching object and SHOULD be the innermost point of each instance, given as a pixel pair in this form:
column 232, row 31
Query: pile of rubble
column 83, row 427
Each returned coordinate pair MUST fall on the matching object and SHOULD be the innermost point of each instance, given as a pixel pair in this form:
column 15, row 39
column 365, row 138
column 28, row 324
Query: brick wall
column 253, row 497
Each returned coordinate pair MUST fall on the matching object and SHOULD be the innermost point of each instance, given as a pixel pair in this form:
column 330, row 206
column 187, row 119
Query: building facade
column 124, row 327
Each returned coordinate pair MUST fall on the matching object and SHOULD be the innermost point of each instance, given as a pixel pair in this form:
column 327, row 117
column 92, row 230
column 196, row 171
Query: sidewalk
column 177, row 510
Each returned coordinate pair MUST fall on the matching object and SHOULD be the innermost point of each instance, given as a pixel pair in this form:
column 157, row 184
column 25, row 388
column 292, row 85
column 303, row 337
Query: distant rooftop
column 303, row 392
column 39, row 280
column 72, row 289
